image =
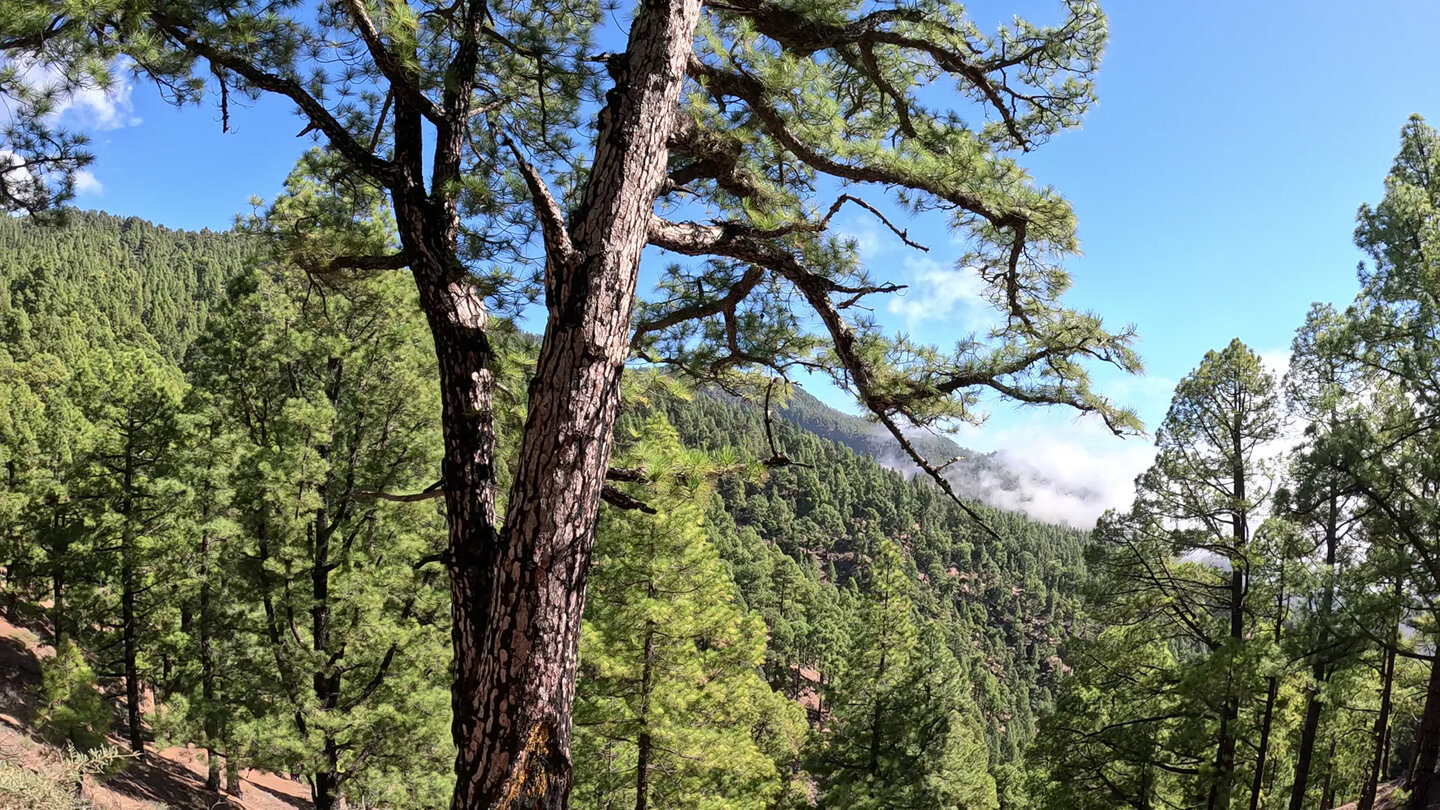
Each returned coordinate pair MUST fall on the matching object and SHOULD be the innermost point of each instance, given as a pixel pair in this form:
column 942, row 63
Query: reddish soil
column 169, row 778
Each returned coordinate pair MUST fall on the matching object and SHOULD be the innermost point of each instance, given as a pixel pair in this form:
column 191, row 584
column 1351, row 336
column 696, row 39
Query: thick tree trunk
column 1427, row 744
column 518, row 622
column 1376, row 773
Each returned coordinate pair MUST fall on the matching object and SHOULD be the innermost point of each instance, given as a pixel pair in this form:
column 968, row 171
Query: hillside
column 1004, row 483
column 809, row 551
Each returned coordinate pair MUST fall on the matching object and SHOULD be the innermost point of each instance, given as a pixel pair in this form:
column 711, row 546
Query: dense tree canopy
column 744, row 116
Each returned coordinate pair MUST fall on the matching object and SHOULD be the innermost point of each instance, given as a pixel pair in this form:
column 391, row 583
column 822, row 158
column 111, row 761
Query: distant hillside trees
column 750, row 113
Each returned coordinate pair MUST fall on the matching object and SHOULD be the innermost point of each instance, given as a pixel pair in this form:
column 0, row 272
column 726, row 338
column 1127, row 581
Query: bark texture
column 521, row 593
column 1421, row 782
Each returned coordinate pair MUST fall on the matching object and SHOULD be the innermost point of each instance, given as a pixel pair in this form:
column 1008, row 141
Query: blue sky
column 1215, row 183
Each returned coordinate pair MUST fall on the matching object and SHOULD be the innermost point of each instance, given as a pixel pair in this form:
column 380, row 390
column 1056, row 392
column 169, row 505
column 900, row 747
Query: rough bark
column 517, row 749
column 1421, row 782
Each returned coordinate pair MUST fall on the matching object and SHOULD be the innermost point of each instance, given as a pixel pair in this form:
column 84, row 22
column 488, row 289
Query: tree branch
column 319, row 117
column 401, row 82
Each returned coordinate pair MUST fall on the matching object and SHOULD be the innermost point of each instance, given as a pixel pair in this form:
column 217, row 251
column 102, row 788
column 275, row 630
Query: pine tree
column 748, row 109
column 902, row 726
column 132, row 494
column 322, row 398
column 1182, row 564
column 1388, row 339
column 670, row 708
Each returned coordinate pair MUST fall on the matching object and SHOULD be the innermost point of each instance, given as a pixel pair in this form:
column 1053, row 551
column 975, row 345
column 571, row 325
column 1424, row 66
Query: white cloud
column 86, row 183
column 90, row 107
column 1275, row 361
column 936, row 291
column 1064, row 470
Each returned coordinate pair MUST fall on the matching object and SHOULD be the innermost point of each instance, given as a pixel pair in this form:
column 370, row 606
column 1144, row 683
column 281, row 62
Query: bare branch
column 558, row 246
column 435, row 490
column 316, row 113
column 621, row 500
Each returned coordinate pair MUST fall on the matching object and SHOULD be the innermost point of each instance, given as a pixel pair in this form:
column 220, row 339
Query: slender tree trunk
column 326, row 677
column 128, row 619
column 519, row 600
column 1427, row 744
column 643, row 742
column 1327, row 792
column 1382, row 735
column 1306, row 754
column 1258, row 784
column 205, row 629
column 1147, row 785
column 1225, row 748
column 58, row 552
column 1319, row 670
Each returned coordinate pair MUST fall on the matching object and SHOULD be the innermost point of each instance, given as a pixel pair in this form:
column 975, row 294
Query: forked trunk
column 519, row 595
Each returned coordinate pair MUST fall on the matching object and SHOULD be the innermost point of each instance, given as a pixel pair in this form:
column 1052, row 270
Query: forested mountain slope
column 1001, row 481
column 122, row 275
column 1004, row 603
column 245, row 555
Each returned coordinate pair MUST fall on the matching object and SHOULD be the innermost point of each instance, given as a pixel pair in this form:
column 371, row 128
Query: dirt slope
column 169, row 778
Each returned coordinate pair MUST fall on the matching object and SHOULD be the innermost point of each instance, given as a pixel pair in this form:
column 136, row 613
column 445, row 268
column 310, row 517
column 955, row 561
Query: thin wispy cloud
column 939, row 292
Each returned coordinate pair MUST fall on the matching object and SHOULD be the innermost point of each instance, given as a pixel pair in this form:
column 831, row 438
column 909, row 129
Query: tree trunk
column 1258, row 785
column 1382, row 735
column 207, row 665
column 128, row 619
column 57, row 591
column 519, row 601
column 1308, row 732
column 1319, row 669
column 326, row 677
column 1225, row 748
column 1427, row 744
column 643, row 742
column 1327, row 792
